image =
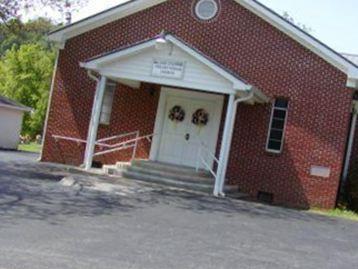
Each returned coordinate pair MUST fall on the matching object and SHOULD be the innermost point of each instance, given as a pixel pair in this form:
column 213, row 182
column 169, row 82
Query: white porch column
column 93, row 126
column 220, row 169
column 228, row 146
column 227, row 139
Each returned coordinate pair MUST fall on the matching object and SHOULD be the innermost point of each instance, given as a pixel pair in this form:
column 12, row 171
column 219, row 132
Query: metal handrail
column 117, row 136
column 131, row 143
column 59, row 137
column 98, row 142
column 124, row 145
column 111, row 146
column 201, row 159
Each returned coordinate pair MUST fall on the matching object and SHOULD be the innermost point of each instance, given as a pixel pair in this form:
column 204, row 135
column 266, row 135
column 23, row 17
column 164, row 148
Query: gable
column 139, row 67
column 134, row 6
column 305, row 39
column 193, row 70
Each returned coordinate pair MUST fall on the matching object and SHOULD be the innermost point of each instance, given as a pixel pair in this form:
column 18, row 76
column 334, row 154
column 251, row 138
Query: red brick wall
column 133, row 109
column 265, row 57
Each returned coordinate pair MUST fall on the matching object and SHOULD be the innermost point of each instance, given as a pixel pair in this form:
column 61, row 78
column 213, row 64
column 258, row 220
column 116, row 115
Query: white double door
column 180, row 140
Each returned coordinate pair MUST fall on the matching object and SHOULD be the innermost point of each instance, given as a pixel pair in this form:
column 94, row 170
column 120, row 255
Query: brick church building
column 226, row 86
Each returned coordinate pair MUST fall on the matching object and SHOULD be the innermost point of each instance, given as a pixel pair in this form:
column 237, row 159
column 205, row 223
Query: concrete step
column 146, row 177
column 203, row 187
column 108, row 168
column 194, row 178
column 166, row 174
column 171, row 168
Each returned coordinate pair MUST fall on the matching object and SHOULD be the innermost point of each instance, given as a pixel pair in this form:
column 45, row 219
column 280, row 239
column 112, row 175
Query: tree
column 289, row 18
column 26, row 65
column 25, row 76
column 13, row 9
column 26, row 56
column 31, row 32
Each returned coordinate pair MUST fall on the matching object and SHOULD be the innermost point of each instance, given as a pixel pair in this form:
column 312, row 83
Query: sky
column 334, row 22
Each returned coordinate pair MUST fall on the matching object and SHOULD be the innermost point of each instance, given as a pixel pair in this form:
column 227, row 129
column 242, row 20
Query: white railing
column 201, row 160
column 59, row 137
column 131, row 143
column 117, row 137
column 106, row 148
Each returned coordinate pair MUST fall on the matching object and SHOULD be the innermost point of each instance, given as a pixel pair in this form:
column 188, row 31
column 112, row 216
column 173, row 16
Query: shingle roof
column 6, row 102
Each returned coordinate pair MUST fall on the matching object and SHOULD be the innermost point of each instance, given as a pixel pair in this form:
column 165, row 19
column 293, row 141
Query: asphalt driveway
column 44, row 224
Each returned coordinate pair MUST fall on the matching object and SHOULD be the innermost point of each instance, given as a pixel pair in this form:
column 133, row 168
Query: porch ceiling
column 167, row 60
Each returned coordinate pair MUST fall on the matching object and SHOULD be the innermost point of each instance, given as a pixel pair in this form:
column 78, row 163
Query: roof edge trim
column 133, row 6
column 24, row 109
column 97, row 20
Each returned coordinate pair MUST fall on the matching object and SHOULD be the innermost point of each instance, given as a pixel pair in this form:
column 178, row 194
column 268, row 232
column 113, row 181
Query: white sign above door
column 168, row 68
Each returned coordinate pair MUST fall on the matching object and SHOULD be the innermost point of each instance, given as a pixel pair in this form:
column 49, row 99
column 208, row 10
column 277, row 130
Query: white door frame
column 159, row 121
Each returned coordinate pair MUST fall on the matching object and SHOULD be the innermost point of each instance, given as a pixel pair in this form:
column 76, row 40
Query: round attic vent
column 206, row 9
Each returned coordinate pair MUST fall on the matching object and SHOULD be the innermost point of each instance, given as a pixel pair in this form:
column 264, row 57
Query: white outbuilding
column 11, row 115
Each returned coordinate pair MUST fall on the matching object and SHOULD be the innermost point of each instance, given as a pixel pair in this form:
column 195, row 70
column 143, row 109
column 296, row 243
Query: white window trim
column 273, row 108
column 203, row 18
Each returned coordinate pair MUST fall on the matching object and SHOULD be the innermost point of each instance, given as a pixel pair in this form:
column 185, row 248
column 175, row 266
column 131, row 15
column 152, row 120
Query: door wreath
column 177, row 114
column 200, row 117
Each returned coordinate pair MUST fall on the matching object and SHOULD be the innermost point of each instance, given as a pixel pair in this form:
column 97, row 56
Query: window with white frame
column 278, row 120
column 107, row 103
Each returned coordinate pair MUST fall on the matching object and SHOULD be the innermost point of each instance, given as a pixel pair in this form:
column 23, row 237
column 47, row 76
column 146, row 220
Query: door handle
column 187, row 137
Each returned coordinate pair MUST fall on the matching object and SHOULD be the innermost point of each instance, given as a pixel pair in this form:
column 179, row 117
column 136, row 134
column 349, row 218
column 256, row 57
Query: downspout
column 227, row 145
column 350, row 145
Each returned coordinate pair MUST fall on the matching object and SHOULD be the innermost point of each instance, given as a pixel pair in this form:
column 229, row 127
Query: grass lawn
column 32, row 147
column 338, row 213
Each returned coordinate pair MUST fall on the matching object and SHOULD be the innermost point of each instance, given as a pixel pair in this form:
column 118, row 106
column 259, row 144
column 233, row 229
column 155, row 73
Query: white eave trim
column 111, row 57
column 23, row 109
column 303, row 38
column 60, row 36
column 238, row 84
column 352, row 81
column 107, row 16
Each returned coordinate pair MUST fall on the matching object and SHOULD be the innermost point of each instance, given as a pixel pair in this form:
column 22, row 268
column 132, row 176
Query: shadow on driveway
column 31, row 190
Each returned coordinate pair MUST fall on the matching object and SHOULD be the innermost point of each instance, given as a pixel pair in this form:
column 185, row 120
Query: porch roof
column 135, row 63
